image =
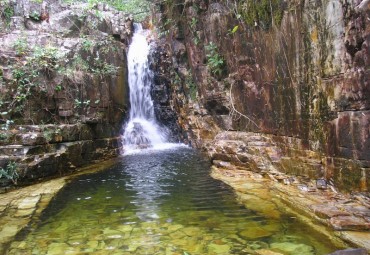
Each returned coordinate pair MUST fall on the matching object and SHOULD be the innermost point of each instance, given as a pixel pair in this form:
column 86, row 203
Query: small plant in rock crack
column 25, row 81
column 81, row 104
column 35, row 16
column 21, row 46
column 7, row 125
column 6, row 11
column 214, row 60
column 86, row 43
column 46, row 59
column 192, row 87
column 10, row 172
column 193, row 23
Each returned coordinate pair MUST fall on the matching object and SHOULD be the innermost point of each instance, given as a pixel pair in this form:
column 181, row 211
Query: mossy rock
column 262, row 13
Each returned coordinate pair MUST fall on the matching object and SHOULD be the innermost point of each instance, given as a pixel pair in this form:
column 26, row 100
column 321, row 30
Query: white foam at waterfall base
column 142, row 132
column 155, row 148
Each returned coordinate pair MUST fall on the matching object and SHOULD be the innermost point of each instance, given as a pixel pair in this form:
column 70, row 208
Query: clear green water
column 159, row 203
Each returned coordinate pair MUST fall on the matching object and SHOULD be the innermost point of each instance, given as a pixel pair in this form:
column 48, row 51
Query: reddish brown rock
column 349, row 223
column 328, row 211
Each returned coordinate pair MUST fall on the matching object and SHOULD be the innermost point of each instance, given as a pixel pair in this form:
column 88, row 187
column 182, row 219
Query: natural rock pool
column 160, row 202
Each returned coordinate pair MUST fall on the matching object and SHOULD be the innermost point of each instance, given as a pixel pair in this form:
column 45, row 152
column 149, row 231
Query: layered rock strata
column 294, row 71
column 63, row 85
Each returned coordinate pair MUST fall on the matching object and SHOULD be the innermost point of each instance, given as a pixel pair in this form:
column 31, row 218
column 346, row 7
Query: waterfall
column 142, row 129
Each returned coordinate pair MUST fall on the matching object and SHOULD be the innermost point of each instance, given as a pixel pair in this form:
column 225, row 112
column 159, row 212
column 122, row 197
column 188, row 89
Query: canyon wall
column 273, row 86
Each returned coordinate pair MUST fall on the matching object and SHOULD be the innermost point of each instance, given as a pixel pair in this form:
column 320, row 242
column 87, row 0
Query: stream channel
column 160, row 202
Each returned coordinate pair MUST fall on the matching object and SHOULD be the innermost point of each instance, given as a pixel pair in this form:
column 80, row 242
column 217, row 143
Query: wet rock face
column 161, row 92
column 63, row 85
column 301, row 73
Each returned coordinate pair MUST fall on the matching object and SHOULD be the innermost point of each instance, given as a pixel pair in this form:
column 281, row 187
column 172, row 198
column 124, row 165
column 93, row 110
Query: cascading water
column 142, row 129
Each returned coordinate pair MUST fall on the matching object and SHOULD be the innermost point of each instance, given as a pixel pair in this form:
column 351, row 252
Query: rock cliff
column 63, row 86
column 274, row 86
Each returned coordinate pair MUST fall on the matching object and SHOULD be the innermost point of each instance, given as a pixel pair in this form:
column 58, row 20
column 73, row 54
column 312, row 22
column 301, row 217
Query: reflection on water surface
column 161, row 202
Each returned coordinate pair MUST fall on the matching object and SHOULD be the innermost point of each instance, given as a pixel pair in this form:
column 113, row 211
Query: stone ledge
column 307, row 205
column 60, row 159
column 286, row 156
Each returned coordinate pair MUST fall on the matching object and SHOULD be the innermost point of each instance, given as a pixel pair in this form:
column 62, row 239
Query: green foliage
column 46, row 59
column 25, row 80
column 21, row 46
column 10, row 172
column 215, row 61
column 140, row 9
column 193, row 28
column 103, row 68
column 262, row 13
column 165, row 28
column 26, row 74
column 81, row 104
column 77, row 64
column 193, row 23
column 3, row 136
column 39, row 65
column 49, row 133
column 1, row 77
column 233, row 31
column 95, row 65
column 58, row 87
column 87, row 44
column 7, row 125
column 196, row 40
column 192, row 86
column 35, row 16
column 6, row 12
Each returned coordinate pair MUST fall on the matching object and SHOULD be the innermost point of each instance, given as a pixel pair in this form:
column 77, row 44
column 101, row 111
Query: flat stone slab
column 327, row 211
column 29, row 203
column 358, row 238
column 349, row 223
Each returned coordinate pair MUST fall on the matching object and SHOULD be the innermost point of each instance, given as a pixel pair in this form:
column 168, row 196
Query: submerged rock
column 58, row 248
column 218, row 248
column 267, row 252
column 293, row 248
column 350, row 252
column 254, row 232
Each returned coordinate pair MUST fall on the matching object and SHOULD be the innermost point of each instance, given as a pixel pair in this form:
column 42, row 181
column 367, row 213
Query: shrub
column 215, row 61
column 10, row 172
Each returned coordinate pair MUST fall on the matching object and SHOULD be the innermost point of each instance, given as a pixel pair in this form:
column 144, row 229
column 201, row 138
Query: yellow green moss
column 262, row 13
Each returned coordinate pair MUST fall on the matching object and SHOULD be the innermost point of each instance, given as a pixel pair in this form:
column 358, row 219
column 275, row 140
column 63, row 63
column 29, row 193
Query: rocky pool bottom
column 164, row 202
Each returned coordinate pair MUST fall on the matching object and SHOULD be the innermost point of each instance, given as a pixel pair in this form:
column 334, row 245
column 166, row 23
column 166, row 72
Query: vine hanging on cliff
column 234, row 110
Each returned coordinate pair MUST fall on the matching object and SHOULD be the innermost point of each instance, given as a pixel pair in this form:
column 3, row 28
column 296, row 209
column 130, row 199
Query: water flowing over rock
column 142, row 129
